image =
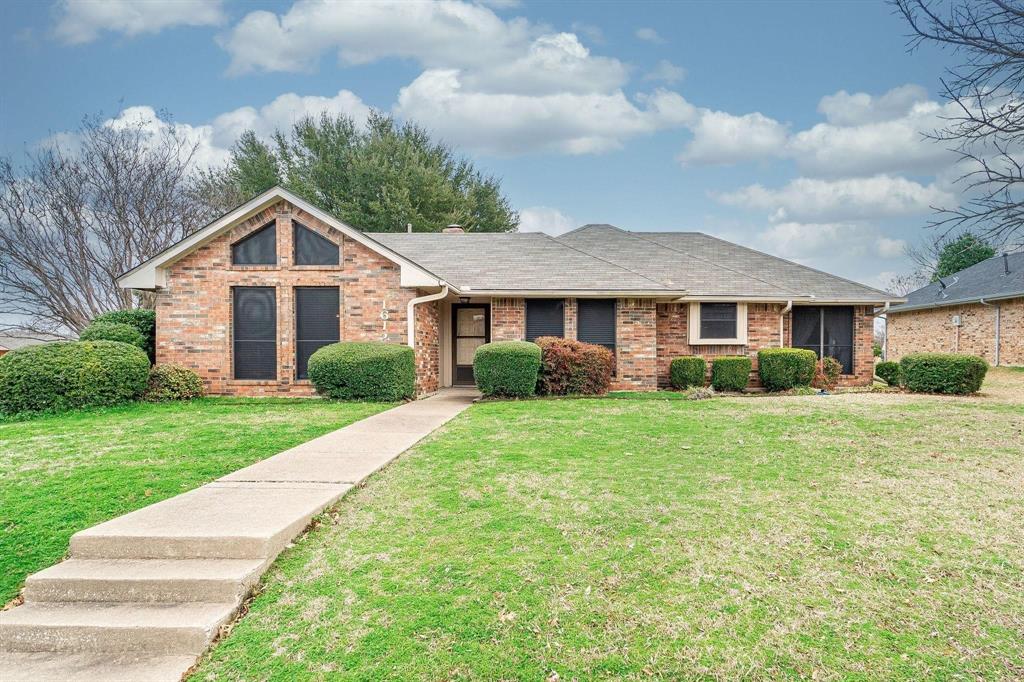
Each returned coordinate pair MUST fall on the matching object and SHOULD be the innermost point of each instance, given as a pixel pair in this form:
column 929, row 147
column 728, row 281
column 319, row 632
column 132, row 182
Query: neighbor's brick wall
column 194, row 312
column 636, row 345
column 508, row 319
column 933, row 331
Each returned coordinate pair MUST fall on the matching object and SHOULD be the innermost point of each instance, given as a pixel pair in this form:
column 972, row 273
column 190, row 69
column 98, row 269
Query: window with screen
column 545, row 317
column 259, row 248
column 255, row 332
column 313, row 249
column 317, row 323
column 718, row 320
column 596, row 321
column 827, row 330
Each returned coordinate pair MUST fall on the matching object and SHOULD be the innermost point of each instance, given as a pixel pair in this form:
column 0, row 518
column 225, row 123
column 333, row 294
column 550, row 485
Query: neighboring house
column 246, row 300
column 979, row 310
column 9, row 343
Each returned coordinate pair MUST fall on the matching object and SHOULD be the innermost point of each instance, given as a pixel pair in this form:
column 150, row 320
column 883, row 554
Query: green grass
column 856, row 537
column 62, row 473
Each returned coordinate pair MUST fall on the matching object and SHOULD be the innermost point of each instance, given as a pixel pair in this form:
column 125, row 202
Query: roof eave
column 957, row 301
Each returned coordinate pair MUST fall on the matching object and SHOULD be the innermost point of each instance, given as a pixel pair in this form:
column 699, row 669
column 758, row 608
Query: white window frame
column 693, row 326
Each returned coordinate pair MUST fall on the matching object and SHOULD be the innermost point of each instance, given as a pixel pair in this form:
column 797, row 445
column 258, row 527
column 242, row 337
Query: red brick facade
column 508, row 319
column 194, row 310
column 933, row 330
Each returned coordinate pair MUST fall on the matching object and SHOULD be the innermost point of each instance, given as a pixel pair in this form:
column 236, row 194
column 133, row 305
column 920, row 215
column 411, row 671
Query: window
column 718, row 323
column 596, row 320
column 259, row 248
column 544, row 317
column 317, row 323
column 827, row 330
column 255, row 332
column 312, row 249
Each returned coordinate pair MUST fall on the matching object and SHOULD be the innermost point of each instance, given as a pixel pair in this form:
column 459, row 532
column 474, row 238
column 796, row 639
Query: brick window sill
column 256, row 268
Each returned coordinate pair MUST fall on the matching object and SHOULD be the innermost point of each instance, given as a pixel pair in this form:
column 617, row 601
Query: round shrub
column 730, row 373
column 364, row 370
column 171, row 382
column 113, row 331
column 784, row 368
column 142, row 319
column 687, row 371
column 826, row 374
column 71, row 374
column 570, row 367
column 955, row 373
column 889, row 372
column 507, row 368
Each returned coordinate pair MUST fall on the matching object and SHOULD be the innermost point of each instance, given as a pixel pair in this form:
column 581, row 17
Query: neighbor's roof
column 15, row 342
column 605, row 257
column 987, row 280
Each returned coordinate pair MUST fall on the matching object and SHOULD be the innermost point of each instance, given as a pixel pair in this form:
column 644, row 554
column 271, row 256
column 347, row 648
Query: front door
column 471, row 328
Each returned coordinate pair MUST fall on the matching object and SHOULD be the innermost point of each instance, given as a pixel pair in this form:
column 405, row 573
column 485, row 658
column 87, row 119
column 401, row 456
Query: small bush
column 507, row 368
column 784, row 368
column 699, row 393
column 364, row 370
column 570, row 367
column 826, row 373
column 954, row 373
column 730, row 373
column 70, row 374
column 113, row 331
column 171, row 382
column 687, row 371
column 889, row 372
column 142, row 319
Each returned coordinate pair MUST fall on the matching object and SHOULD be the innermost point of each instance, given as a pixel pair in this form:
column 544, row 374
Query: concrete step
column 217, row 521
column 113, row 628
column 145, row 580
column 47, row 666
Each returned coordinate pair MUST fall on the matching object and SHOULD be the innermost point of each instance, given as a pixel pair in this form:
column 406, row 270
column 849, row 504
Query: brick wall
column 636, row 345
column 933, row 331
column 571, row 314
column 428, row 347
column 194, row 312
column 508, row 319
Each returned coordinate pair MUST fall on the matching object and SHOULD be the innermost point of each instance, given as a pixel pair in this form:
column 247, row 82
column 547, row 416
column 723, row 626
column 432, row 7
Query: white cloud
column 589, row 31
column 649, row 35
column 890, row 248
column 802, row 241
column 82, row 21
column 722, row 138
column 844, row 109
column 817, row 200
column 545, row 219
column 512, row 124
column 666, row 71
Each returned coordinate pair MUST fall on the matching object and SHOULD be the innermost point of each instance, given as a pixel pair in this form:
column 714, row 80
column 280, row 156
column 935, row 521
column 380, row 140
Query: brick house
column 979, row 310
column 246, row 300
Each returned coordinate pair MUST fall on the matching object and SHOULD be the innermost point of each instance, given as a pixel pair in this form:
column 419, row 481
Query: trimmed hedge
column 730, row 373
column 142, row 319
column 570, row 367
column 955, row 373
column 65, row 375
column 364, row 370
column 889, row 372
column 507, row 368
column 171, row 382
column 113, row 331
column 784, row 368
column 687, row 371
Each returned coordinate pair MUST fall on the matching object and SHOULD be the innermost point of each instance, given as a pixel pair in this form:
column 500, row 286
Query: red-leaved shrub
column 573, row 367
column 826, row 373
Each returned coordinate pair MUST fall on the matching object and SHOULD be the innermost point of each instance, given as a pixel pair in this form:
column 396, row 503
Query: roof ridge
column 799, row 265
column 588, row 225
column 605, row 260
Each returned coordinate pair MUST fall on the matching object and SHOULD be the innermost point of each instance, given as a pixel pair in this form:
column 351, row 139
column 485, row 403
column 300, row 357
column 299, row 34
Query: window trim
column 693, row 326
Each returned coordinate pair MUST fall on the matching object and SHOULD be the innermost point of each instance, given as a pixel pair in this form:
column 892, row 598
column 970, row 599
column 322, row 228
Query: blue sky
column 792, row 127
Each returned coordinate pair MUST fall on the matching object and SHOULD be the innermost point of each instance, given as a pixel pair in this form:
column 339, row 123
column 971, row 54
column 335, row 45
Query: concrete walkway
column 142, row 596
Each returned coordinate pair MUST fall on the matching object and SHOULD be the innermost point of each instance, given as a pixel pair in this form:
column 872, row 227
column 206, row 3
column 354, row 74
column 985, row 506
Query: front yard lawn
column 60, row 474
column 860, row 536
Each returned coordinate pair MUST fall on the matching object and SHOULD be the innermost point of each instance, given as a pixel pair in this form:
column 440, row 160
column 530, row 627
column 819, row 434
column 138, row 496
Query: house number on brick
column 384, row 316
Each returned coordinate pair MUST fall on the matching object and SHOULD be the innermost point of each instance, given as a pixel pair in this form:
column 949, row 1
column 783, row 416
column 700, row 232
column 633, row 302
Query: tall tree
column 961, row 253
column 378, row 178
column 988, row 91
column 75, row 217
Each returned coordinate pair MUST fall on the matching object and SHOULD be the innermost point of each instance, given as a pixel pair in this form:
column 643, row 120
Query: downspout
column 411, row 313
column 998, row 316
column 782, row 328
column 885, row 327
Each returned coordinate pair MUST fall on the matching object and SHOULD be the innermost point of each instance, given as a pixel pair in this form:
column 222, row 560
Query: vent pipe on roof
column 408, row 228
column 453, row 229
column 1006, row 263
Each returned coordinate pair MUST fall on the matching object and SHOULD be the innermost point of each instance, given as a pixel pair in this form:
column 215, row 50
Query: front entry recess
column 471, row 329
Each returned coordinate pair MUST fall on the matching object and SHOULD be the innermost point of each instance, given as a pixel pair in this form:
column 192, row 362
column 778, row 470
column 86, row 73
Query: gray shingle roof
column 987, row 279
column 606, row 258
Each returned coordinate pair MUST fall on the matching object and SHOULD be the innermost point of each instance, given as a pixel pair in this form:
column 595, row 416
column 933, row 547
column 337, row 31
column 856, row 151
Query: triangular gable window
column 313, row 249
column 259, row 248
